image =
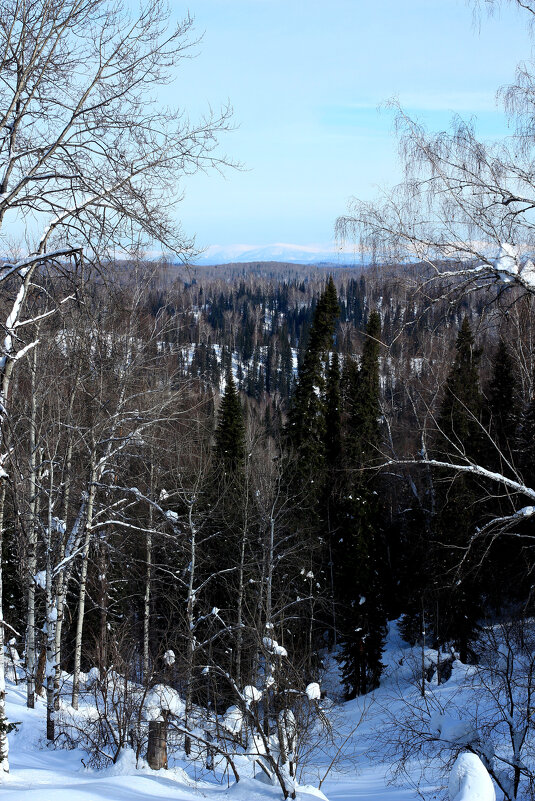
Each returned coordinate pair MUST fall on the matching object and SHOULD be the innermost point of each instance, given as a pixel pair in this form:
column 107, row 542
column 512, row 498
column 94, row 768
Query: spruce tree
column 230, row 432
column 311, row 435
column 333, row 444
column 502, row 403
column 459, row 596
column 365, row 410
column 503, row 569
column 306, row 423
column 460, row 414
column 226, row 494
column 359, row 551
column 527, row 442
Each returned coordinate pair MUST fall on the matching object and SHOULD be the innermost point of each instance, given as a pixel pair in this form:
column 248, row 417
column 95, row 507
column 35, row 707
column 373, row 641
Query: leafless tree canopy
column 461, row 198
column 87, row 155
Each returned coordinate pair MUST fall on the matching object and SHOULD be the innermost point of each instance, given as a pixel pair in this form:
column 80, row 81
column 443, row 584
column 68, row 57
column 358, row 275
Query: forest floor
column 362, row 773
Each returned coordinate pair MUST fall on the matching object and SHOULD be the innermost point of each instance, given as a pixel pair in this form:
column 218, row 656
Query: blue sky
column 305, row 78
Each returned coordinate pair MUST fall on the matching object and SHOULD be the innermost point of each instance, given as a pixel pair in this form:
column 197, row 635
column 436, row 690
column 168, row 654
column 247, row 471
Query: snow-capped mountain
column 280, row 251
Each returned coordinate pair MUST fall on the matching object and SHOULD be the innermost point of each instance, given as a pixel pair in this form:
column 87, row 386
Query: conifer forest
column 257, row 518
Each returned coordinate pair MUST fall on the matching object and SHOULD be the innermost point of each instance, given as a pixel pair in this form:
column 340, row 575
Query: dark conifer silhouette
column 461, row 433
column 230, row 433
column 359, row 550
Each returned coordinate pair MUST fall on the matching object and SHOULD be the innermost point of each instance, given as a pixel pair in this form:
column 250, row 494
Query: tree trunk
column 32, row 546
column 190, row 610
column 157, row 745
column 148, row 580
column 41, row 667
column 4, row 746
column 83, row 582
column 103, row 604
column 51, row 618
column 422, row 688
column 80, row 621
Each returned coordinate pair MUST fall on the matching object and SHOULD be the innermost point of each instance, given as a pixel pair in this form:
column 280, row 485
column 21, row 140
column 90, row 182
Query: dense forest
column 249, row 512
column 214, row 479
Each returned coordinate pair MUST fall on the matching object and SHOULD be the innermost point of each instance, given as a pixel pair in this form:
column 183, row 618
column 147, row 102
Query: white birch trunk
column 32, row 546
column 51, row 618
column 4, row 746
column 83, row 582
column 148, row 580
column 69, row 547
column 190, row 613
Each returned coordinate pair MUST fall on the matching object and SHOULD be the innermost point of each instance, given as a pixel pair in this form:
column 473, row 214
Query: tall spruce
column 502, row 404
column 333, row 434
column 503, row 568
column 307, row 416
column 311, row 434
column 359, row 551
column 527, row 441
column 458, row 594
column 226, row 550
column 460, row 413
column 230, row 432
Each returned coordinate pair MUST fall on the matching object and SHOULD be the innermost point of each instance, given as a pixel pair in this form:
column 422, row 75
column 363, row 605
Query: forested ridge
column 257, row 521
column 199, row 468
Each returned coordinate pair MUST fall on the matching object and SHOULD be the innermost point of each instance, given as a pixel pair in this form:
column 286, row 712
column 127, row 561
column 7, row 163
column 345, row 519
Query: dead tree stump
column 157, row 747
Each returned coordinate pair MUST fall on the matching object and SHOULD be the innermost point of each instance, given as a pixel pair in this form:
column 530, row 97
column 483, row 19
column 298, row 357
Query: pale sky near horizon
column 305, row 79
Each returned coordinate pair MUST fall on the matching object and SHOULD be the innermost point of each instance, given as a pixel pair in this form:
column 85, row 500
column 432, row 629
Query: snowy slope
column 362, row 770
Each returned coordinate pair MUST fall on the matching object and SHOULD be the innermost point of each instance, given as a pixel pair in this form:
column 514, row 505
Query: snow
column 162, row 698
column 469, row 780
column 59, row 525
column 233, row 719
column 507, row 265
column 40, row 579
column 273, row 646
column 313, row 691
column 506, row 262
column 92, row 677
column 251, row 694
column 362, row 771
column 453, row 730
column 281, row 251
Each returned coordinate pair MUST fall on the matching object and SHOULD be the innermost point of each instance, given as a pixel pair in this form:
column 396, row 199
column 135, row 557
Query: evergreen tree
column 503, row 568
column 359, row 551
column 527, row 442
column 460, row 414
column 365, row 410
column 333, row 444
column 227, row 549
column 502, row 402
column 230, row 433
column 306, row 425
column 311, row 433
column 459, row 596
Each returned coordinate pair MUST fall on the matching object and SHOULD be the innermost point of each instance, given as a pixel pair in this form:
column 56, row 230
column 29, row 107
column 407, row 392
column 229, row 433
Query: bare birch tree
column 465, row 207
column 88, row 160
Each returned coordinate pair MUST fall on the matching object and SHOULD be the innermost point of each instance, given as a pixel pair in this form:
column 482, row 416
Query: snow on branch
column 472, row 468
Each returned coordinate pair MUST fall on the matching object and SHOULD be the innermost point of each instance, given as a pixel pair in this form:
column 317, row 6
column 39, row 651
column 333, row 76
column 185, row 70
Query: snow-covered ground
column 362, row 772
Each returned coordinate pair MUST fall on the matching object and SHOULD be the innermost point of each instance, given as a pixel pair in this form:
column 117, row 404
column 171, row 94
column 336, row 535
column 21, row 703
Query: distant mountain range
column 281, row 252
